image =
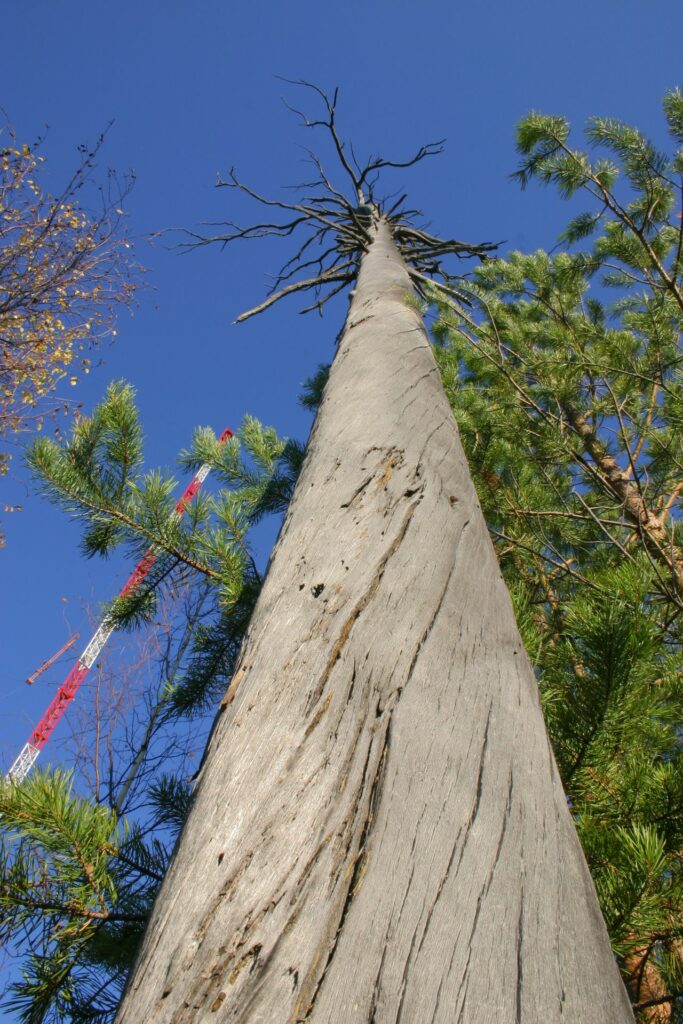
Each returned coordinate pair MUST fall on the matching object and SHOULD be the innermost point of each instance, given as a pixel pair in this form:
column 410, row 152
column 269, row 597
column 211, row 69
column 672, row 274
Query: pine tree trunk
column 379, row 833
column 647, row 986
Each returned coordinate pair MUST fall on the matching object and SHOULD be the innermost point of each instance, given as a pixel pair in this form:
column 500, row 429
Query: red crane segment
column 138, row 574
column 58, row 705
column 67, row 691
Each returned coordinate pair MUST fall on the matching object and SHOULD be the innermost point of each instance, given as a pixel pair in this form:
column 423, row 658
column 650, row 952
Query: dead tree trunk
column 379, row 833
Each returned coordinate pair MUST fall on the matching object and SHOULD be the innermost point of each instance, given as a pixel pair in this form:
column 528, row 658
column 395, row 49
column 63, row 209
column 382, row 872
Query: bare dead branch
column 392, row 209
column 379, row 163
column 317, row 262
column 424, row 284
column 326, row 298
column 297, row 286
column 331, row 107
column 316, row 237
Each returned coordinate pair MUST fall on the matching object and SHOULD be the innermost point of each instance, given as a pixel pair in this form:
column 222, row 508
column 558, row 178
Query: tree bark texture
column 379, row 833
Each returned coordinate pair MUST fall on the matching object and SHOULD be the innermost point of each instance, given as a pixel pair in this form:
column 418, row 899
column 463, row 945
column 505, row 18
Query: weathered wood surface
column 380, row 834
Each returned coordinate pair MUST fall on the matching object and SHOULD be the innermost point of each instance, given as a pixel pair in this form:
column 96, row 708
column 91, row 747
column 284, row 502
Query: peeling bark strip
column 379, row 833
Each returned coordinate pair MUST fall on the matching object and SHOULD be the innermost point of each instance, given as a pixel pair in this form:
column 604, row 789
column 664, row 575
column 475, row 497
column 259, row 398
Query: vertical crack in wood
column 358, row 608
column 520, row 959
column 372, row 1012
column 458, row 849
column 405, row 973
column 430, row 625
column 356, row 865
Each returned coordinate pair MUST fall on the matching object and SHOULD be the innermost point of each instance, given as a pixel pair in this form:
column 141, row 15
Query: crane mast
column 67, row 691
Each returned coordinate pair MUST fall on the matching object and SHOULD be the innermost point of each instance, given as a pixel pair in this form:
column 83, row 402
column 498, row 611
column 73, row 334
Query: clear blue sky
column 191, row 90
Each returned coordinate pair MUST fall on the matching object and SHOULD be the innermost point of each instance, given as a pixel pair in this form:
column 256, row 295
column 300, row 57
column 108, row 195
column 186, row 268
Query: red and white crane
column 67, row 691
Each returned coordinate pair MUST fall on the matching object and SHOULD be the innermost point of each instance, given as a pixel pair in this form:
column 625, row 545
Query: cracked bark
column 379, row 833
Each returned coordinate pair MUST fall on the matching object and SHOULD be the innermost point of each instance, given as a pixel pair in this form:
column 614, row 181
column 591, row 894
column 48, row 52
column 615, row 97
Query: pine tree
column 78, row 874
column 379, row 831
column 564, row 373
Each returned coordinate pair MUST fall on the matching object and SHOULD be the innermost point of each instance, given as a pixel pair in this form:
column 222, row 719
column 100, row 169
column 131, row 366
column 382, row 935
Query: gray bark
column 380, row 833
